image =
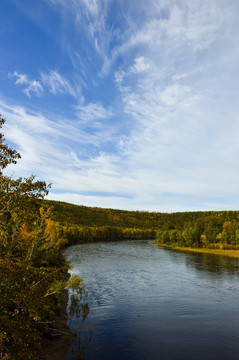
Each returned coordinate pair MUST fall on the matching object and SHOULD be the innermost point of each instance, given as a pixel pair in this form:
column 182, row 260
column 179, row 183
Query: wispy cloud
column 93, row 112
column 31, row 86
column 52, row 81
column 89, row 18
column 47, row 149
column 154, row 123
column 151, row 173
column 57, row 84
column 168, row 93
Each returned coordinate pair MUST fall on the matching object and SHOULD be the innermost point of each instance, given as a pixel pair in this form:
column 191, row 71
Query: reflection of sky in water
column 148, row 302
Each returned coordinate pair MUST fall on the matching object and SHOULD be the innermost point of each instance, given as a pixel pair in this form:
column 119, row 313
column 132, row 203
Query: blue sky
column 124, row 104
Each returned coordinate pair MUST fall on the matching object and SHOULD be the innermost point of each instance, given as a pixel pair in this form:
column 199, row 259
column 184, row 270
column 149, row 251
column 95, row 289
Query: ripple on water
column 152, row 303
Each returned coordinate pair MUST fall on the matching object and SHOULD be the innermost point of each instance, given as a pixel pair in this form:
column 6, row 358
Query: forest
column 33, row 232
column 201, row 229
column 218, row 230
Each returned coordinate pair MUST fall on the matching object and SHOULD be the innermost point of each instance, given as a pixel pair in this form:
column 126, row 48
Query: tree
column 29, row 282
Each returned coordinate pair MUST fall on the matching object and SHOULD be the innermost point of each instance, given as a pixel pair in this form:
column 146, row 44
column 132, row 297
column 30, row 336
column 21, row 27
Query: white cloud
column 140, row 65
column 21, row 78
column 53, row 81
column 32, row 86
column 57, row 84
column 93, row 112
column 92, row 6
column 175, row 145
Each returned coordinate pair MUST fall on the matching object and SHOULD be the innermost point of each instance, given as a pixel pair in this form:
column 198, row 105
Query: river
column 153, row 303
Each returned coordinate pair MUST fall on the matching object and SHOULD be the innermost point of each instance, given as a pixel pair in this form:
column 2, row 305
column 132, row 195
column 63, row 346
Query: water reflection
column 211, row 263
column 154, row 303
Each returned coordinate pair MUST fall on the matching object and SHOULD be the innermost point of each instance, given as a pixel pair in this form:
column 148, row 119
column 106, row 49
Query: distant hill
column 69, row 214
column 211, row 229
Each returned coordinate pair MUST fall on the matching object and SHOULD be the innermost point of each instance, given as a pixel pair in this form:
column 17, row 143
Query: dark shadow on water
column 80, row 345
column 78, row 310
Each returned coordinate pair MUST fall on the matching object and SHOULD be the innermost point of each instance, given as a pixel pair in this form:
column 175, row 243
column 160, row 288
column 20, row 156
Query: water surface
column 149, row 302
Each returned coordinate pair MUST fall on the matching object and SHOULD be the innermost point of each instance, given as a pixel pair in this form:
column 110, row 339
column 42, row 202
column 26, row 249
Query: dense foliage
column 214, row 229
column 32, row 268
column 70, row 214
column 219, row 230
column 80, row 223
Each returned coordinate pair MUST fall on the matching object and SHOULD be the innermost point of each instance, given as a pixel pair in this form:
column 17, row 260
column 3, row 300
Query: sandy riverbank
column 230, row 253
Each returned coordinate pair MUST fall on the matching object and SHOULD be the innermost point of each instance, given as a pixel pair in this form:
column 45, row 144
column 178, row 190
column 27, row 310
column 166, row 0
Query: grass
column 230, row 253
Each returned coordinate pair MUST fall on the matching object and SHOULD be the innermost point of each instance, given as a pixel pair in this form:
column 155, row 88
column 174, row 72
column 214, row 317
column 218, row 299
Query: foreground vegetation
column 33, row 272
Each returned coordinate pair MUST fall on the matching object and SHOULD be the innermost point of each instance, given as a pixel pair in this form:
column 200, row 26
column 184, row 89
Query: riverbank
column 230, row 253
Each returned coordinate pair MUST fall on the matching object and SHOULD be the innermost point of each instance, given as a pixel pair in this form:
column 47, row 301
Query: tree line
column 211, row 229
column 219, row 230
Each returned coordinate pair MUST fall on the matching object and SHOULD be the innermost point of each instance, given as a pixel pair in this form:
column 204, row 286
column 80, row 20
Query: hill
column 78, row 223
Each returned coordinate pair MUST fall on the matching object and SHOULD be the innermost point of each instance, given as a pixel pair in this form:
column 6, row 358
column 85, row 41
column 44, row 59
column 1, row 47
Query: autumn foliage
column 32, row 268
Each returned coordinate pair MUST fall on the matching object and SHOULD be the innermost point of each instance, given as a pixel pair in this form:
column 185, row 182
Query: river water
column 153, row 303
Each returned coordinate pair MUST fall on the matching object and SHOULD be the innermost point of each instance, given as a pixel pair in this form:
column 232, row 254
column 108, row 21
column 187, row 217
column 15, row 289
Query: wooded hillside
column 196, row 229
column 70, row 214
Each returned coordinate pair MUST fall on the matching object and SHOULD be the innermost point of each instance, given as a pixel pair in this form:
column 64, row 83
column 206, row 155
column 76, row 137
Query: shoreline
column 228, row 253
